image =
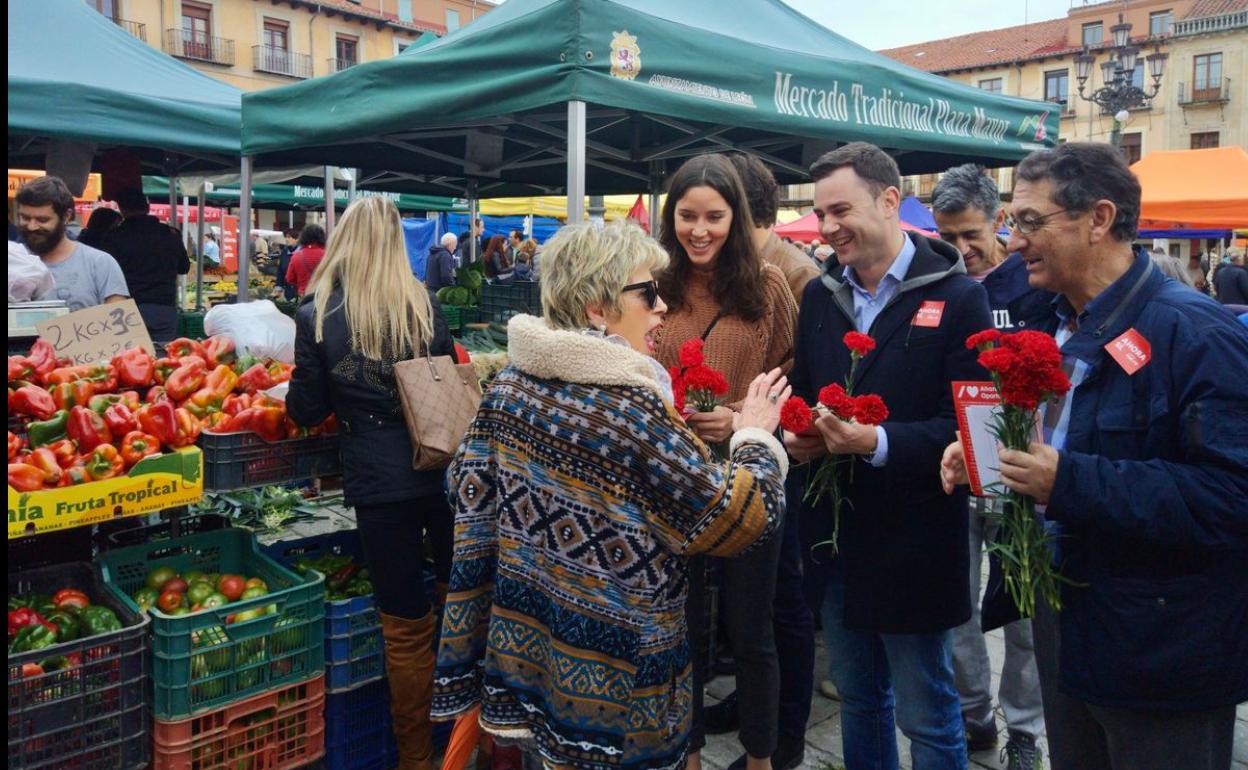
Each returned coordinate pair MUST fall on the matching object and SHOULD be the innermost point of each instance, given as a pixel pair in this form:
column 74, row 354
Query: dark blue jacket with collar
column 903, row 542
column 1152, row 496
column 1011, row 297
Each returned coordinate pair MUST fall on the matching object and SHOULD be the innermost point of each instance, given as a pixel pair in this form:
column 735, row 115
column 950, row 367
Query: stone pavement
column 823, row 735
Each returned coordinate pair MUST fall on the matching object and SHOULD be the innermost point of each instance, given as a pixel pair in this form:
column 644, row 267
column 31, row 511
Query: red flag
column 638, row 212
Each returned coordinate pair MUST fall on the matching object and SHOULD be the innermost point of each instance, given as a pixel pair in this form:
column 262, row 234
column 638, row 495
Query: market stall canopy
column 1194, row 189
column 806, row 229
column 662, row 81
column 304, row 197
column 75, row 75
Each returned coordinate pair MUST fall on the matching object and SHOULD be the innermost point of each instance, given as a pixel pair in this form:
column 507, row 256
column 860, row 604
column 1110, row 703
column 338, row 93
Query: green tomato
column 214, row 600
column 252, row 593
column 159, row 576
column 247, row 615
column 193, row 575
column 146, row 597
column 198, row 592
column 179, row 611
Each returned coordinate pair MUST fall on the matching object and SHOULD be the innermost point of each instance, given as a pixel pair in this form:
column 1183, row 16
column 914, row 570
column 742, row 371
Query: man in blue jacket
column 898, row 585
column 1145, row 473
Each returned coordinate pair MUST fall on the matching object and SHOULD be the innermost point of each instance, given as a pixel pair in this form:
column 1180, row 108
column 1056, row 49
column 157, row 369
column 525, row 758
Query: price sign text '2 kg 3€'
column 94, row 335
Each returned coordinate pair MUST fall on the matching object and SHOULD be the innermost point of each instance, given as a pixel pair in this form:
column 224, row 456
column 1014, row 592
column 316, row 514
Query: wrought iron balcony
column 185, row 45
column 338, row 65
column 279, row 61
column 136, row 29
column 1216, row 93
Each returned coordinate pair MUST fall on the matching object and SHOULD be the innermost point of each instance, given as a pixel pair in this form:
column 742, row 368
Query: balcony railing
column 185, row 45
column 1218, row 94
column 338, row 65
column 1221, row 23
column 279, row 61
column 135, row 28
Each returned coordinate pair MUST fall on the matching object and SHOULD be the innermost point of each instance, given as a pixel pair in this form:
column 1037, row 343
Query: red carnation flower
column 859, row 344
column 719, row 383
column 982, row 339
column 998, row 360
column 870, row 409
column 691, row 353
column 837, row 400
column 795, row 415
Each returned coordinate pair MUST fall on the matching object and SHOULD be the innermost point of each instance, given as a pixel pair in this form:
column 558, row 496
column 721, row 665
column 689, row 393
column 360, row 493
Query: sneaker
column 723, row 717
column 1022, row 753
column 981, row 736
column 827, row 688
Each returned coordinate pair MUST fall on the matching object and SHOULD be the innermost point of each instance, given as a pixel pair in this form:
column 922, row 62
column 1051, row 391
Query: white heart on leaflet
column 972, row 391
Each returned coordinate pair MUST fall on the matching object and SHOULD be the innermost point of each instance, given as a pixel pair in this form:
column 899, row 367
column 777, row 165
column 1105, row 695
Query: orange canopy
column 1194, row 188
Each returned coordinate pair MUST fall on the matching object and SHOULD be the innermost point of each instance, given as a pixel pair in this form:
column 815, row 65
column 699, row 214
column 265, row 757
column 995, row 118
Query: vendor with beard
column 85, row 277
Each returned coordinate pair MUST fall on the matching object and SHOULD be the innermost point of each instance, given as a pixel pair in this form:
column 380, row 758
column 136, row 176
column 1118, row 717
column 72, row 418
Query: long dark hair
column 496, row 245
column 737, row 281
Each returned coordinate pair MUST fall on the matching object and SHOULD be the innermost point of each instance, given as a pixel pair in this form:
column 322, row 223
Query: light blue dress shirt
column 867, row 308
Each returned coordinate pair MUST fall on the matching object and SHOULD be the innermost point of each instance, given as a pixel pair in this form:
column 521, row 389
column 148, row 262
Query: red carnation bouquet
column 839, row 400
column 697, row 387
column 1026, row 367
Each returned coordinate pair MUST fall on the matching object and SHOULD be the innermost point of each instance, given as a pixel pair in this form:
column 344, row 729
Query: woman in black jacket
column 364, row 312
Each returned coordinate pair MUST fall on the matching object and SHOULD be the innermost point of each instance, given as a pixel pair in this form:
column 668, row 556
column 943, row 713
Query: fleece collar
column 555, row 354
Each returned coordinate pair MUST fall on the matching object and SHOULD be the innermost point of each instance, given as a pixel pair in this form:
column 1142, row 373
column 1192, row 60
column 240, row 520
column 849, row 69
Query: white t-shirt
column 87, row 278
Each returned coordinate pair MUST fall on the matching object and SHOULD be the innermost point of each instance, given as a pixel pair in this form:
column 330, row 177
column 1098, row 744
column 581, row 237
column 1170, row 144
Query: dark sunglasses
column 649, row 291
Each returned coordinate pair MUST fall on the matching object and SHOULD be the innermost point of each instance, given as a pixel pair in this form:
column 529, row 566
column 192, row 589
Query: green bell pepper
column 33, row 637
column 67, row 626
column 50, row 430
column 98, row 619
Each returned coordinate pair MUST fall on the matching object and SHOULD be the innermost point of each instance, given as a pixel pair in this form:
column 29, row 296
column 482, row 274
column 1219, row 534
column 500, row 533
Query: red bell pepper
column 70, row 394
column 159, row 420
column 87, row 429
column 100, row 403
column 186, row 347
column 103, row 378
column 43, row 357
column 22, row 617
column 120, row 420
column 137, row 445
column 255, row 379
column 25, row 477
column 45, row 460
column 21, row 369
column 74, row 475
column 214, row 420
column 135, row 367
column 34, row 401
column 186, row 379
column 163, row 367
column 280, row 372
column 220, row 350
column 155, row 395
column 217, row 385
column 188, row 428
column 330, row 426
column 104, row 462
column 235, row 403
column 269, row 423
column 16, row 443
column 65, row 451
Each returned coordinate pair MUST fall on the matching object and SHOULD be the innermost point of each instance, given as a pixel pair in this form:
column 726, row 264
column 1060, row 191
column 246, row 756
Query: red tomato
column 174, row 584
column 171, row 600
column 232, row 586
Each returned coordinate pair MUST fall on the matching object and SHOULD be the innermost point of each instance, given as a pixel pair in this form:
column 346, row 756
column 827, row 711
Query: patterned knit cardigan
column 578, row 493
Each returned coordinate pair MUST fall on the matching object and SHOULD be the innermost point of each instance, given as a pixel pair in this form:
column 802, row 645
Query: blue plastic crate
column 354, row 659
column 358, row 734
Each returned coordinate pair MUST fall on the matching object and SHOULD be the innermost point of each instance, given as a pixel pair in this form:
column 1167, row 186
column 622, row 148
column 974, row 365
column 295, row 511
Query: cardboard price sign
column 94, row 335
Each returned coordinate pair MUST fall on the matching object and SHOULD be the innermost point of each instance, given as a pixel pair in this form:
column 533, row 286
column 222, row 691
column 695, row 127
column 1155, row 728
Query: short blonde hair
column 585, row 265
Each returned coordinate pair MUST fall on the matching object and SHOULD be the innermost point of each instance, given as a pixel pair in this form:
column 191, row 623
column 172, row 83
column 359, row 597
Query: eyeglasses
column 1031, row 224
column 649, row 291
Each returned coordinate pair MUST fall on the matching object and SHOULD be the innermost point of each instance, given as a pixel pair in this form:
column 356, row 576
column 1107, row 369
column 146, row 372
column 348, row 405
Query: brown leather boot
column 409, row 666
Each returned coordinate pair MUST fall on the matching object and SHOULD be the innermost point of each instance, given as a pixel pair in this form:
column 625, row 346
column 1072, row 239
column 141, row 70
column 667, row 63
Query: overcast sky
column 880, row 24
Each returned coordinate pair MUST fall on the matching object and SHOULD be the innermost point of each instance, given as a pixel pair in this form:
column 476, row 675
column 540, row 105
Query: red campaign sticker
column 929, row 314
column 1131, row 351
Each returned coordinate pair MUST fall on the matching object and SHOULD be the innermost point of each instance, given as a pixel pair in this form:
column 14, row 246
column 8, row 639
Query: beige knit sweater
column 740, row 349
column 798, row 268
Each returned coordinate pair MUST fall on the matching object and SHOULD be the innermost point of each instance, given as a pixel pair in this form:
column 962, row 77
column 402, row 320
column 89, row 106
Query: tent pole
column 656, row 188
column 329, row 201
column 576, row 162
column 474, row 213
column 244, row 229
column 351, row 187
column 199, row 248
column 173, row 201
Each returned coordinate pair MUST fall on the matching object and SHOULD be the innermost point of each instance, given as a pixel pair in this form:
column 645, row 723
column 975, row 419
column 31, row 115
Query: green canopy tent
column 303, row 197
column 422, row 41
column 619, row 91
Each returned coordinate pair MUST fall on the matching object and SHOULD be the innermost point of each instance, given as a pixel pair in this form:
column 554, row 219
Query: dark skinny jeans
column 393, row 535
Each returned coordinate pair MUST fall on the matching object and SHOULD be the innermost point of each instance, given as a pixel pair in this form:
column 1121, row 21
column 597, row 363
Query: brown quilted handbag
column 440, row 398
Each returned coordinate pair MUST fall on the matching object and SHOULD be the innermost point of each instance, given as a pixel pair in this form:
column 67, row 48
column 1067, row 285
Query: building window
column 1205, row 140
column 197, row 30
column 405, row 10
column 1057, row 86
column 277, row 35
column 1207, row 76
column 992, row 85
column 346, row 51
column 108, row 8
column 1131, row 147
column 1137, row 76
column 1093, row 34
column 452, row 21
column 1160, row 23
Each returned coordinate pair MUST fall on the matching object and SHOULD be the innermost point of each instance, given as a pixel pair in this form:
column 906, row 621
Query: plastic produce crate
column 90, row 715
column 358, row 729
column 201, row 660
column 244, row 460
column 275, row 730
column 500, row 301
column 457, row 317
column 191, row 325
column 188, row 524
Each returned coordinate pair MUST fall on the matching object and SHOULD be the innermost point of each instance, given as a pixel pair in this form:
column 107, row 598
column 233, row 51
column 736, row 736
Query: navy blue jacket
column 1011, row 297
column 1152, row 496
column 440, row 269
column 903, row 542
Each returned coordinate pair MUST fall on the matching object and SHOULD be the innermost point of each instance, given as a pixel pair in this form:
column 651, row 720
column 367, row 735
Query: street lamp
column 1117, row 93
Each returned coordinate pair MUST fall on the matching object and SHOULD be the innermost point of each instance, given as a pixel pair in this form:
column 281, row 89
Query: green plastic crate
column 201, row 661
column 191, row 325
